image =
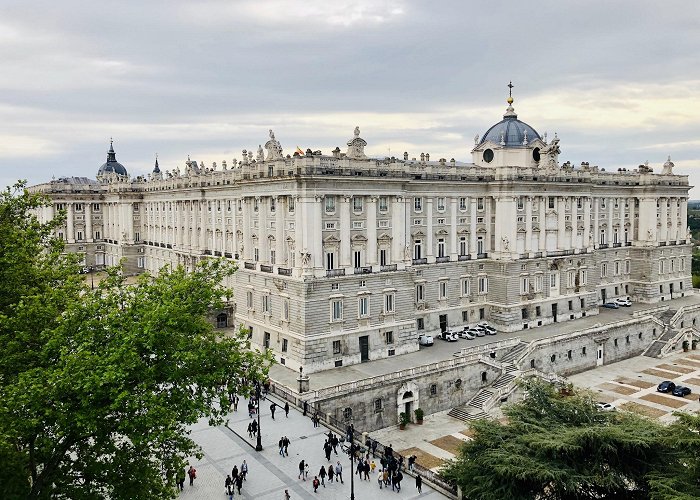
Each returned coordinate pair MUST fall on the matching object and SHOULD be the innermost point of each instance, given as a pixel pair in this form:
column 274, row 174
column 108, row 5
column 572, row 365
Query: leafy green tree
column 561, row 447
column 97, row 387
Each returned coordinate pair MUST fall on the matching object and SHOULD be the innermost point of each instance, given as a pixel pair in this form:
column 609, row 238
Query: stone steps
column 461, row 413
column 503, row 381
column 514, row 353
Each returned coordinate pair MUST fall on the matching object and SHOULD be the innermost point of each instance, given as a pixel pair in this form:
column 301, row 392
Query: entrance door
column 603, row 295
column 407, row 408
column 364, row 348
column 443, row 323
column 599, row 358
column 554, row 312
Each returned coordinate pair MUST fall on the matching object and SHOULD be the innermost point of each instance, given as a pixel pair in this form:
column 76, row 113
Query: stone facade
column 344, row 258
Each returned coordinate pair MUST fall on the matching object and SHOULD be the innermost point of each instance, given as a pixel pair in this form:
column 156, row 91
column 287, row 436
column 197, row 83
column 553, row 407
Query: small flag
column 301, row 153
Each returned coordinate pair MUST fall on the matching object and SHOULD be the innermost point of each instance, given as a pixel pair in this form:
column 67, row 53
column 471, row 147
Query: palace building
column 345, row 258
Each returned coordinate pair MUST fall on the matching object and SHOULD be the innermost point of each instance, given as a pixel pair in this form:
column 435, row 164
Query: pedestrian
column 305, row 406
column 374, row 448
column 306, row 471
column 235, row 403
column 234, row 473
column 228, row 485
column 400, row 462
column 244, row 471
column 380, row 479
column 372, row 466
column 180, row 479
column 315, row 419
column 301, row 470
column 272, row 410
column 286, row 495
column 286, row 409
column 286, row 446
column 411, row 461
column 339, row 472
column 360, row 468
column 366, row 470
column 327, row 450
column 334, row 442
column 281, row 445
column 331, row 472
column 239, row 484
column 192, row 472
column 399, row 478
column 419, row 483
column 389, row 452
column 385, row 476
column 394, row 478
column 254, row 424
column 250, row 430
column 316, row 483
column 251, row 405
column 322, row 475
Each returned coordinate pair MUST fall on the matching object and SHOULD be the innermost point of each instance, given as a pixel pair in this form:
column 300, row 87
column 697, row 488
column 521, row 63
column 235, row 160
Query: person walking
column 419, row 483
column 250, row 430
column 301, row 471
column 399, row 478
column 339, row 472
column 228, row 485
column 367, row 469
column 273, row 407
column 244, row 471
column 306, row 407
column 385, row 477
column 286, row 446
column 180, row 479
column 306, row 471
column 316, row 483
column 192, row 472
column 322, row 475
column 235, row 403
column 327, row 450
column 374, row 448
column 281, row 445
column 334, row 442
column 286, row 495
column 239, row 483
column 234, row 473
column 411, row 461
column 380, row 479
column 331, row 473
column 254, row 425
column 286, row 409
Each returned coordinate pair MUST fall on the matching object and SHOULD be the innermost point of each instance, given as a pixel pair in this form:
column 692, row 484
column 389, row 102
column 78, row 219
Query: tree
column 97, row 387
column 562, row 447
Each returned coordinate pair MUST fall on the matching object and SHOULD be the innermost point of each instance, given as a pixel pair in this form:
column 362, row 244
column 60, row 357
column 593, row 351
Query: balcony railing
column 227, row 255
column 335, row 272
column 671, row 242
column 628, row 243
column 603, row 246
column 363, row 270
column 464, row 257
column 250, row 265
column 617, row 245
column 662, row 243
column 482, row 255
column 420, row 261
column 537, row 255
column 390, row 267
column 265, row 268
column 442, row 259
column 284, row 271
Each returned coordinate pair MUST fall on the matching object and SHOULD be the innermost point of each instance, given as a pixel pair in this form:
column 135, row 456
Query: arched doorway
column 407, row 400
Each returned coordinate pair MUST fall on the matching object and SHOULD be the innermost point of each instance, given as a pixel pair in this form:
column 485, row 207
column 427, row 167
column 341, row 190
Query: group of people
column 234, row 481
column 333, row 472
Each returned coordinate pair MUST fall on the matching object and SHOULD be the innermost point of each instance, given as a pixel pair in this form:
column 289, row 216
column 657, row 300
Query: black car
column 681, row 391
column 666, row 386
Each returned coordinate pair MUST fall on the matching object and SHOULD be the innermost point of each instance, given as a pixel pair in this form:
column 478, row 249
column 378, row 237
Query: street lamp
column 258, row 446
column 301, row 372
column 92, row 278
column 351, row 436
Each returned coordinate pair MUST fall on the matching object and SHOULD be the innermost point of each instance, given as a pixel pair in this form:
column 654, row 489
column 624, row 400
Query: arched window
column 222, row 320
column 347, row 413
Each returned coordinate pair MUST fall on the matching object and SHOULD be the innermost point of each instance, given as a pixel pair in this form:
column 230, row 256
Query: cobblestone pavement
column 269, row 474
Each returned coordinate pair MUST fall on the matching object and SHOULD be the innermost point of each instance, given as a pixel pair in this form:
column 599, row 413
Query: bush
column 418, row 412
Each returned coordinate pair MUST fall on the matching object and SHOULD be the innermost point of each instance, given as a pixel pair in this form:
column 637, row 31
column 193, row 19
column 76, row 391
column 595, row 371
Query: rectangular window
column 249, row 299
column 330, row 203
column 266, row 304
column 441, row 221
column 420, row 293
column 462, row 203
column 383, row 204
column 520, row 203
column 330, row 261
column 382, row 257
column 462, row 245
column 538, row 311
column 479, row 203
column 285, row 344
column 98, row 235
column 466, row 287
column 137, row 236
column 388, row 303
column 524, row 285
column 336, row 347
column 443, row 289
column 272, row 256
column 357, row 254
column 441, row 247
column 363, row 283
column 358, row 224
column 136, row 207
column 285, row 309
column 330, row 226
column 420, row 324
column 571, row 279
column 363, row 307
column 383, row 223
column 441, row 204
column 96, row 207
column 357, row 204
column 417, row 249
column 290, row 204
column 418, row 204
column 552, row 280
column 389, row 337
column 256, row 204
column 336, row 310
column 80, row 235
column 140, row 262
column 483, row 284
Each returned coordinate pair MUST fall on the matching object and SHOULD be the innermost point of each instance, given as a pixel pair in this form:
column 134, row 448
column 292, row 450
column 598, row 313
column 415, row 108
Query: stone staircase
column 514, row 353
column 473, row 410
column 655, row 348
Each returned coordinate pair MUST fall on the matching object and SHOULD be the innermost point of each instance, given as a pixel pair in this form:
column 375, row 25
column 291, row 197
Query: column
column 453, row 228
column 596, row 222
column 316, row 222
column 621, row 236
column 684, row 219
column 371, row 230
column 70, row 237
column 488, row 202
column 203, row 208
column 528, row 224
column 574, row 222
column 631, row 217
column 279, row 230
column 398, row 241
column 472, row 228
column 88, row 222
column 345, row 243
column 299, row 230
column 586, row 223
column 212, row 225
column 561, row 223
column 543, row 224
column 674, row 220
column 263, row 241
column 611, row 221
column 663, row 232
column 429, row 250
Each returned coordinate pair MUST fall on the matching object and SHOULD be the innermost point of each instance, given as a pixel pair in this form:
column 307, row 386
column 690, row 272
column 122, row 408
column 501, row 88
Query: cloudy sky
column 617, row 80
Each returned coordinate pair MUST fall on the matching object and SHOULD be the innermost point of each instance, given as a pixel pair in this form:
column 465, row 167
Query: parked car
column 426, row 340
column 620, row 301
column 605, row 406
column 466, row 334
column 449, row 336
column 479, row 332
column 681, row 391
column 489, row 330
column 456, row 330
column 666, row 386
column 611, row 305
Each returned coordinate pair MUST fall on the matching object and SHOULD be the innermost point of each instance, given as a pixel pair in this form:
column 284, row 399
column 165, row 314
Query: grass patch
column 660, row 373
column 641, row 409
column 423, row 458
column 448, row 443
column 634, row 382
column 676, row 368
column 673, row 402
column 620, row 389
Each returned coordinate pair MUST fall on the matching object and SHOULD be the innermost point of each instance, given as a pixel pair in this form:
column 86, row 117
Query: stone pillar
column 596, row 222
column 543, row 223
column 70, row 236
column 299, row 230
column 398, row 241
column 684, row 220
column 88, row 222
column 345, row 243
column 586, row 243
column 280, row 245
column 573, row 240
column 453, row 228
column 316, row 222
column 631, row 218
column 203, row 209
column 663, row 230
column 472, row 228
column 263, row 241
column 528, row 224
column 674, row 221
column 429, row 250
column 371, row 230
column 561, row 223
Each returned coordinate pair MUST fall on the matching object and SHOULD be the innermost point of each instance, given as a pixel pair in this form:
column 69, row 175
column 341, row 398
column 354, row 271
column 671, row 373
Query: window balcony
column 335, row 272
column 420, row 261
column 284, row 271
column 442, row 259
column 482, row 255
column 390, row 267
column 250, row 265
column 363, row 270
column 265, row 268
column 464, row 257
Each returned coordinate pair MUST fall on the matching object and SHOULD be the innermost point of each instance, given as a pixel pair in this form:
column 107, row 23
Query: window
column 336, row 347
column 583, row 277
column 272, row 256
column 462, row 245
column 433, row 389
column 377, row 405
column 96, row 207
column 524, row 285
column 462, row 203
column 357, row 204
column 266, row 340
column 240, row 205
column 483, row 284
column 285, row 309
column 330, row 260
column 357, row 258
column 335, row 286
column 583, row 351
column 249, row 299
column 568, row 354
column 330, row 226
column 579, row 202
column 538, row 311
column 571, row 279
column 465, row 316
column 388, row 303
column 363, row 307
column 347, row 413
column 479, row 220
column 363, row 283
column 137, row 236
column 336, row 310
column 222, row 320
column 551, row 201
column 256, row 254
column 604, row 269
column 330, row 203
column 417, row 249
column 256, row 204
column 358, row 224
column 382, row 257
column 553, row 280
column 383, row 223
column 98, row 235
column 136, row 207
column 285, row 344
column 420, row 324
column 441, row 247
column 480, row 245
column 418, row 204
column 479, row 203
column 520, row 203
column 80, row 235
column 441, row 221
column 441, row 204
column 389, row 337
column 420, row 293
column 140, row 262
column 538, row 283
column 442, row 287
column 383, row 204
column 290, row 204
column 266, row 304
column 466, row 287
column 524, row 313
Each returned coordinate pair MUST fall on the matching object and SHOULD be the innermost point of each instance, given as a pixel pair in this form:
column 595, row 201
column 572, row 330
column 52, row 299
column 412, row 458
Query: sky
column 616, row 80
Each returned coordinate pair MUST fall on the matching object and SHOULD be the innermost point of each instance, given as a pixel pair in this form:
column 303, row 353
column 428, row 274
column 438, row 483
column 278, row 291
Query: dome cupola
column 111, row 166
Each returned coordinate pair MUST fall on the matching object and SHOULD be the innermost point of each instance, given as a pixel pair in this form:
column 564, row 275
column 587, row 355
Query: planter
column 402, row 426
column 419, row 422
column 418, row 412
column 685, row 346
column 694, row 344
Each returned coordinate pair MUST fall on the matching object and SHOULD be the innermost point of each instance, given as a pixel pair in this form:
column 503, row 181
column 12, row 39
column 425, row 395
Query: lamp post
column 351, row 435
column 92, row 278
column 258, row 446
column 301, row 375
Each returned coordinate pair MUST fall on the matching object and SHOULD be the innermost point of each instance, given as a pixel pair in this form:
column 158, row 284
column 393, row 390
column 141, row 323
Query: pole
column 352, row 462
column 258, row 446
column 92, row 278
column 301, row 372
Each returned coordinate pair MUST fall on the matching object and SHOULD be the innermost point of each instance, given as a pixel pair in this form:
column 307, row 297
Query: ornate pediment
column 358, row 238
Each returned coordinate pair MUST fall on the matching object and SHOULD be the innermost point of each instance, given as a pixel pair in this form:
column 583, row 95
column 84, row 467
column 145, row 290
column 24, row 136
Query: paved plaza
column 269, row 474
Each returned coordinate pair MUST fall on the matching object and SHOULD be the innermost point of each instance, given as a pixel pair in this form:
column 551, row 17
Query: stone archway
column 407, row 399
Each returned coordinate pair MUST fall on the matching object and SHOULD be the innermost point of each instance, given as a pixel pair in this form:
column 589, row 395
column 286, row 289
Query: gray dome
column 510, row 131
column 112, row 165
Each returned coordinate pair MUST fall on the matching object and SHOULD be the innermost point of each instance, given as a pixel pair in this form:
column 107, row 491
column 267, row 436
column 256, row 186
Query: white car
column 605, row 406
column 455, row 330
column 426, row 340
column 449, row 336
column 467, row 334
column 623, row 302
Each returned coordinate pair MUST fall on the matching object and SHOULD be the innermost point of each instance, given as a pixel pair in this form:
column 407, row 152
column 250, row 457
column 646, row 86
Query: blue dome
column 112, row 165
column 511, row 131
